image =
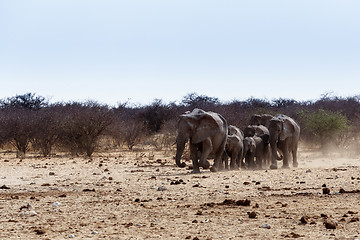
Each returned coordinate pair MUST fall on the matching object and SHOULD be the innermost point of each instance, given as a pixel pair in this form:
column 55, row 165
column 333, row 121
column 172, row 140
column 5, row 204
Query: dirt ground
column 143, row 195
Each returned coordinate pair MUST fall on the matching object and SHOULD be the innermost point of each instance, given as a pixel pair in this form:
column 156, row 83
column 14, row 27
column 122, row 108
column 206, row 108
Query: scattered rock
column 89, row 190
column 304, row 219
column 267, row 226
column 326, row 190
column 245, row 202
column 39, row 231
column 329, row 224
column 199, row 213
column 162, row 188
column 252, row 214
column 354, row 219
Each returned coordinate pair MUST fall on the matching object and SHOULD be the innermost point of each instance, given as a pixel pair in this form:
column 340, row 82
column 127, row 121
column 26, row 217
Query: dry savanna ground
column 143, row 195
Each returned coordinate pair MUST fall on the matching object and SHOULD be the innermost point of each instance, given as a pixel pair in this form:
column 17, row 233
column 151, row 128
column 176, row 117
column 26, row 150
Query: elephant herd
column 265, row 141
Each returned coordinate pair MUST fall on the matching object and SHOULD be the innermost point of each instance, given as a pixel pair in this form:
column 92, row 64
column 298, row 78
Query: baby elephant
column 234, row 147
column 256, row 146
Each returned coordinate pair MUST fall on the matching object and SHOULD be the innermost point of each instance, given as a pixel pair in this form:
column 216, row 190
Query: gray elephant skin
column 261, row 119
column 207, row 135
column 284, row 138
column 256, row 147
column 234, row 148
column 264, row 155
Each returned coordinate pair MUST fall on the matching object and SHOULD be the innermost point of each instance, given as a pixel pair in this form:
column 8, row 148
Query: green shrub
column 325, row 126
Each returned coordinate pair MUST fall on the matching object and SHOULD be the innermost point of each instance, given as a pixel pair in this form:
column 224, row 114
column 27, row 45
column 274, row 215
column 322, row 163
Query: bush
column 325, row 126
column 18, row 127
column 83, row 124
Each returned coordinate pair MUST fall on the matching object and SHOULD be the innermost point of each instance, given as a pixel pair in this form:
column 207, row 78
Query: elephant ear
column 287, row 130
column 207, row 126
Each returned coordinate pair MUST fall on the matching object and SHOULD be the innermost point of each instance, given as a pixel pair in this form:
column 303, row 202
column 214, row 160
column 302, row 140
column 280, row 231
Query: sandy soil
column 138, row 195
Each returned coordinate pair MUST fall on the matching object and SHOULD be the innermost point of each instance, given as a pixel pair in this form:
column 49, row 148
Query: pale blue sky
column 113, row 50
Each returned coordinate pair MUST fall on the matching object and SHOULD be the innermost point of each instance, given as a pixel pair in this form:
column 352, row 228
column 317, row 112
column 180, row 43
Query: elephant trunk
column 273, row 145
column 180, row 146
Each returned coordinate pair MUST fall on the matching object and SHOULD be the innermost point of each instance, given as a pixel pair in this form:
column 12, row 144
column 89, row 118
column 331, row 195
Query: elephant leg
column 225, row 160
column 259, row 161
column 194, row 158
column 206, row 150
column 217, row 159
column 233, row 163
column 286, row 158
column 294, row 155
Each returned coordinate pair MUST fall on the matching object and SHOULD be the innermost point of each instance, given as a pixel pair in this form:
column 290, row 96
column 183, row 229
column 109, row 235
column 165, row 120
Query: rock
column 94, row 232
column 71, row 236
column 342, row 190
column 162, row 188
column 56, row 204
column 245, row 202
column 267, row 226
column 252, row 214
column 308, row 171
column 4, row 187
column 51, row 174
column 330, row 224
column 326, row 190
column 324, row 185
column 354, row 219
column 39, row 231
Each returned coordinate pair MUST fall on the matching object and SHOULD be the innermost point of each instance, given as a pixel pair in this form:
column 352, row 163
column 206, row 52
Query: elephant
column 284, row 137
column 234, row 147
column 263, row 119
column 207, row 134
column 260, row 131
column 256, row 146
column 257, row 130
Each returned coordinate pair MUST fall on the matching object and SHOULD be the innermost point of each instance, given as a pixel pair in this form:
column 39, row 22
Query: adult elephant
column 234, row 147
column 207, row 134
column 284, row 137
column 263, row 119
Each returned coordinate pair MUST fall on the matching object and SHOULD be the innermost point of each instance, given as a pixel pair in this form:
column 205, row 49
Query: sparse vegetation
column 29, row 123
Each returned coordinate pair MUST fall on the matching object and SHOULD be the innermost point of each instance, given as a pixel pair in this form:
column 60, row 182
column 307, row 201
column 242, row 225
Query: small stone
column 56, row 204
column 51, row 174
column 324, row 185
column 71, row 236
column 199, row 213
column 354, row 219
column 330, row 224
column 342, row 190
column 94, row 232
column 4, row 187
column 161, row 188
column 326, row 190
column 308, row 171
column 304, row 220
column 252, row 214
column 267, row 226
column 245, row 202
column 39, row 231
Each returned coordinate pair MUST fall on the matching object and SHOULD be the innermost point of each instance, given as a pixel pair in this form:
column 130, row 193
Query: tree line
column 28, row 122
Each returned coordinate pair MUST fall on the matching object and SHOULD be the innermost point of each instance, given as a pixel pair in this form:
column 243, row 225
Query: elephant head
column 262, row 119
column 195, row 126
column 280, row 128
